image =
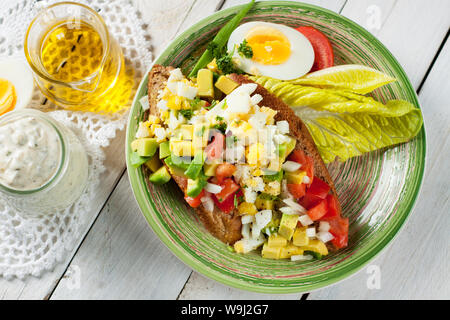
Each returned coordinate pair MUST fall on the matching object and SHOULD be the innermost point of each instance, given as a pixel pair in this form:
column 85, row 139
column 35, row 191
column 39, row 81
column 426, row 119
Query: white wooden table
column 120, row 257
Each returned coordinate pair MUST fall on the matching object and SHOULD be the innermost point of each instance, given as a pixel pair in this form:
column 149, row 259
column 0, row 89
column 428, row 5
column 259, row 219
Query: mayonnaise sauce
column 30, row 153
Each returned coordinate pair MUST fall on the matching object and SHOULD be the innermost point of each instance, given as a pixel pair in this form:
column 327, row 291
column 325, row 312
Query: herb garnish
column 187, row 113
column 245, row 50
column 220, row 126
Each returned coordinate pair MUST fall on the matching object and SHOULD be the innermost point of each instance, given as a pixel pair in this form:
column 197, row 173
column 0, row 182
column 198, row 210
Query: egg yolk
column 7, row 96
column 270, row 46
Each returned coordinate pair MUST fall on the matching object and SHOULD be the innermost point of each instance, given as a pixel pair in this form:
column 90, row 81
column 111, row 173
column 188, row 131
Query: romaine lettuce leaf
column 344, row 124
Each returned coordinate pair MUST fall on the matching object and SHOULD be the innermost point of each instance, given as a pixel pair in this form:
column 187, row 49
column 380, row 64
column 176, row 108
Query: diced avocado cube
column 270, row 252
column 160, row 176
column 176, row 168
column 276, row 241
column 210, row 168
column 201, row 136
column 194, row 187
column 287, row 225
column 205, row 83
column 135, row 145
column 295, row 177
column 272, row 226
column 136, row 160
column 300, row 238
column 196, row 165
column 153, row 163
column 275, row 164
column 273, row 176
column 225, row 84
column 316, row 255
column 289, row 251
column 145, row 147
column 286, row 148
column 181, row 148
column 186, row 131
column 316, row 246
column 164, row 149
column 263, row 203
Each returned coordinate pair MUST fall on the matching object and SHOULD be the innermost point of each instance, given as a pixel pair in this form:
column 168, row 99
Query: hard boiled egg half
column 16, row 85
column 279, row 51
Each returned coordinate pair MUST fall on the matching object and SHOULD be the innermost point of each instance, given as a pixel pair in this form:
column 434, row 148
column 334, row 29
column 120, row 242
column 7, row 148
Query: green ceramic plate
column 377, row 190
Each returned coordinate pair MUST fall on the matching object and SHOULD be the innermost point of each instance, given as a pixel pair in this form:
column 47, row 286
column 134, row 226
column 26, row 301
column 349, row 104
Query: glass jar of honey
column 76, row 62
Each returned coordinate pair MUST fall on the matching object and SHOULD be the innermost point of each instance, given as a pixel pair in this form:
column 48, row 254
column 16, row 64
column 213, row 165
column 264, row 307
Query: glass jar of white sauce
column 43, row 166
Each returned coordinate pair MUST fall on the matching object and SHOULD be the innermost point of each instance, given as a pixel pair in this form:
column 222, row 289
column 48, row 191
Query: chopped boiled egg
column 16, row 85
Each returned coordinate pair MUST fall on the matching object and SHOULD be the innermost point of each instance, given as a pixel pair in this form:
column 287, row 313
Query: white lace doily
column 31, row 247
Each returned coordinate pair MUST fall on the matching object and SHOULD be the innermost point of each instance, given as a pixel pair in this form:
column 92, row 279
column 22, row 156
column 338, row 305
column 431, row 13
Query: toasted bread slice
column 224, row 226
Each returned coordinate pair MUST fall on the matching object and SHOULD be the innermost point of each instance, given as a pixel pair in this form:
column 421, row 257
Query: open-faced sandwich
column 246, row 163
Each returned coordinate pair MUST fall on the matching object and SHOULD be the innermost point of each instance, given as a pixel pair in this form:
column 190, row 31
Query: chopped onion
column 288, row 210
column 311, row 232
column 306, row 180
column 284, row 190
column 283, row 126
column 263, row 217
column 305, row 220
column 256, row 231
column 144, row 103
column 247, row 219
column 324, row 236
column 300, row 257
column 208, row 203
column 176, row 75
column 291, row 166
column 294, row 205
column 324, row 226
column 256, row 98
column 245, row 231
column 213, row 188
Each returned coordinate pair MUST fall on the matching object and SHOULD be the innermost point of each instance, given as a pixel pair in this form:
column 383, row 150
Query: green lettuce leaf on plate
column 344, row 124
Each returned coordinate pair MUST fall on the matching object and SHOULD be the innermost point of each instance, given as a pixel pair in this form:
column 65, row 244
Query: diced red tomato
column 309, row 201
column 229, row 187
column 319, row 188
column 315, row 193
column 297, row 190
column 334, row 210
column 224, row 170
column 229, row 203
column 323, row 51
column 195, row 202
column 339, row 229
column 214, row 149
column 307, row 163
column 319, row 210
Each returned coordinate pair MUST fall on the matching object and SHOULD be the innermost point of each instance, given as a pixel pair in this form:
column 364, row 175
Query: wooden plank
column 121, row 235
column 416, row 264
column 121, row 258
column 40, row 288
column 163, row 19
column 412, row 31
